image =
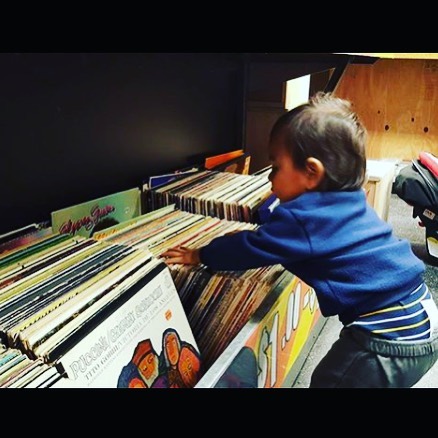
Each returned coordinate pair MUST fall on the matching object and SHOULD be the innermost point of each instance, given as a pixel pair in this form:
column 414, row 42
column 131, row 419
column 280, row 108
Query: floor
column 400, row 217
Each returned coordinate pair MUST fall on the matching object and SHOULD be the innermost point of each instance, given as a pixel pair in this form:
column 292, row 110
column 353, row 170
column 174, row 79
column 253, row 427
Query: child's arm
column 282, row 240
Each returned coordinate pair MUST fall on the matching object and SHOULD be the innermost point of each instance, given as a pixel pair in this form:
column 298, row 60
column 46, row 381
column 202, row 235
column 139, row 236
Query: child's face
column 287, row 181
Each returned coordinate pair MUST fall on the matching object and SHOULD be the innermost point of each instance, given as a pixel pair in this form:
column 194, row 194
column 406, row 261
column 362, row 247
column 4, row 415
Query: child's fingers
column 172, row 260
column 172, row 256
column 172, row 252
column 175, row 255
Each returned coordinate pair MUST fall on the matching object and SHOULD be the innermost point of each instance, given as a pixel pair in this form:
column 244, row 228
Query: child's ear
column 314, row 172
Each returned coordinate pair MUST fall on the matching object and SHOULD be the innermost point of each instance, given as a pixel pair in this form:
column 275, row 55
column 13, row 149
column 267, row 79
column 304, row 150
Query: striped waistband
column 405, row 320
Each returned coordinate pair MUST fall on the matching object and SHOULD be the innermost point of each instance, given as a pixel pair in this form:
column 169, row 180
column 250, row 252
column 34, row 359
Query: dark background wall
column 74, row 127
column 79, row 126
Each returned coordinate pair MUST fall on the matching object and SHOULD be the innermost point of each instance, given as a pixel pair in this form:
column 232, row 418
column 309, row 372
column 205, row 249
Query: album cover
column 146, row 343
column 86, row 218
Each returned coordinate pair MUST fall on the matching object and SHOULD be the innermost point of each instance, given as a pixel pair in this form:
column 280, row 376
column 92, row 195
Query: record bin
column 269, row 351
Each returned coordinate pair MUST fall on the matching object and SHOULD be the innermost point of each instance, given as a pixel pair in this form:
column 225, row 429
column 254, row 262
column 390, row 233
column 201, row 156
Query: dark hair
column 327, row 129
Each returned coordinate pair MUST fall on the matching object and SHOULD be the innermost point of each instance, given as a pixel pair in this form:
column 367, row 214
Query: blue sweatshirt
column 333, row 241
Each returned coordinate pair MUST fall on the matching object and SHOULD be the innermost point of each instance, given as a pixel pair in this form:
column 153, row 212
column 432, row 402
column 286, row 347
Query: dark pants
column 360, row 360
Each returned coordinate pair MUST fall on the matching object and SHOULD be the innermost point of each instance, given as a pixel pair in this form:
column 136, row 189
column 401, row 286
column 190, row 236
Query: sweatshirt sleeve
column 281, row 240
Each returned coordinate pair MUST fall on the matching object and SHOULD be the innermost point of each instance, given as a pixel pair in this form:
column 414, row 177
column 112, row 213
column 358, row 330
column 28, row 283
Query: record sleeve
column 158, row 180
column 86, row 218
column 58, row 312
column 147, row 342
column 216, row 160
column 45, row 373
column 23, row 236
column 133, row 223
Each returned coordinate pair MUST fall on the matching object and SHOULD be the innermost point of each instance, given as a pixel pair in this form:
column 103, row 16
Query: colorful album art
column 86, row 218
column 177, row 366
column 282, row 334
column 17, row 240
column 147, row 342
column 272, row 342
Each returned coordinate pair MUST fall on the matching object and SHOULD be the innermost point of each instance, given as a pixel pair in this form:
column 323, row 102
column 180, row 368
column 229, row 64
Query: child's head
column 325, row 144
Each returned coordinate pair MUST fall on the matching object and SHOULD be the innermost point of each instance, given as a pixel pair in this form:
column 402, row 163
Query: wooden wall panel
column 398, row 102
column 398, row 55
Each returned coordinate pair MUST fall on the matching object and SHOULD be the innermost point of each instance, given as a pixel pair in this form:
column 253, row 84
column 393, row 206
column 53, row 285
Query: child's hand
column 181, row 255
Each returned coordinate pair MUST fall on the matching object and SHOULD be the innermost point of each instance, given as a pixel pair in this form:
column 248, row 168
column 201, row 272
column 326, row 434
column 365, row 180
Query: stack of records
column 140, row 340
column 218, row 194
column 23, row 236
column 168, row 227
column 46, row 285
column 263, row 172
column 220, row 309
column 18, row 371
column 217, row 304
column 91, row 308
